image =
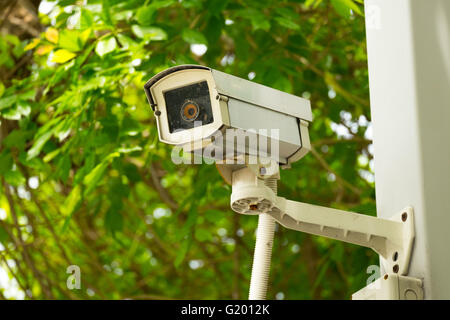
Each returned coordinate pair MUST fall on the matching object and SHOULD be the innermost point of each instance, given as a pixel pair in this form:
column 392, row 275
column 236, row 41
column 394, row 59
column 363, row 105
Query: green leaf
column 105, row 46
column 51, row 34
column 258, row 19
column 6, row 162
column 2, row 88
column 16, row 138
column 62, row 56
column 132, row 172
column 38, row 144
column 149, row 33
column 129, row 150
column 106, row 11
column 146, row 15
column 50, row 156
column 289, row 24
column 3, row 235
column 28, row 95
column 63, row 168
column 181, row 254
column 7, row 101
column 158, row 4
column 130, row 127
column 22, row 109
column 312, row 3
column 93, row 178
column 125, row 41
column 70, row 40
column 86, row 19
column 70, row 205
column 113, row 220
column 193, row 37
column 202, row 234
column 15, row 178
column 214, row 216
column 287, row 18
column 343, row 7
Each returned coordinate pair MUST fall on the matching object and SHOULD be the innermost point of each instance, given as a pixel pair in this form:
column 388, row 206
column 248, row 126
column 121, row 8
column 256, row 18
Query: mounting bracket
column 391, row 238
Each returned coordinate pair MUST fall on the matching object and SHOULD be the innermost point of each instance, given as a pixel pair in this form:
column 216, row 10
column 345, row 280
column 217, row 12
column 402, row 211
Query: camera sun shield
column 197, row 107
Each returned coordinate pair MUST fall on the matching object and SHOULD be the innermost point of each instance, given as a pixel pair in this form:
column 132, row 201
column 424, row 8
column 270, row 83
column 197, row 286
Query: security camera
column 200, row 108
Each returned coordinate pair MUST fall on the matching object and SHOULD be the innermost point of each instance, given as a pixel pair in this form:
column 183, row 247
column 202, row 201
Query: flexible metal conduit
column 263, row 251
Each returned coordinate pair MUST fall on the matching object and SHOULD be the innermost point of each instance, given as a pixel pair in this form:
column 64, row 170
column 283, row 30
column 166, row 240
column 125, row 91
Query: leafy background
column 85, row 181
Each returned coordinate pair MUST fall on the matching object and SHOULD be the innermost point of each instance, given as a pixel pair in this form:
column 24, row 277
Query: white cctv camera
column 193, row 104
column 198, row 108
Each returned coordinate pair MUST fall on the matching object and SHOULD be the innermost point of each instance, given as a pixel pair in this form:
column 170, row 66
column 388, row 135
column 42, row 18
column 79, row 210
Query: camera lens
column 188, row 104
column 189, row 110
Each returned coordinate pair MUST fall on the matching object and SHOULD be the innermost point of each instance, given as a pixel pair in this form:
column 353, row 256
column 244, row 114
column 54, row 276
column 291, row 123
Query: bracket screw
column 395, row 268
column 395, row 256
column 404, row 216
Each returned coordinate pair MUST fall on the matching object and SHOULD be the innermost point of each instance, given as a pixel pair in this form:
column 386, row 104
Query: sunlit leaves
column 125, row 41
column 21, row 109
column 86, row 19
column 106, row 12
column 312, row 3
column 93, row 178
column 83, row 128
column 52, row 35
column 71, row 202
column 343, row 7
column 5, row 102
column 105, row 46
column 70, row 40
column 32, row 44
column 62, row 56
column 39, row 144
column 149, row 33
column 146, row 15
column 10, row 49
column 193, row 37
column 14, row 178
column 44, row 49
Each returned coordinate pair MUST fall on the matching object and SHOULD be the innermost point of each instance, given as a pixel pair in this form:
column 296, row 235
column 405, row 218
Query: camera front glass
column 188, row 105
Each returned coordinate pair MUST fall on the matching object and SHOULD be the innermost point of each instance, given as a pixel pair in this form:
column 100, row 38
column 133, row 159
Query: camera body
column 194, row 105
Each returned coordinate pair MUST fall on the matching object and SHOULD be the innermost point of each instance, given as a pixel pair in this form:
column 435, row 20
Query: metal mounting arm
column 391, row 238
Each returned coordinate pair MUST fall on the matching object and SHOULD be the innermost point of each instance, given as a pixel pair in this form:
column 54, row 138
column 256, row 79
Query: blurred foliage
column 85, row 181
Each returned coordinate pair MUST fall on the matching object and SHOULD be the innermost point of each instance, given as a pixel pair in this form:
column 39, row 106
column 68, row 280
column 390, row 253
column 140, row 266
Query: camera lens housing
column 182, row 112
column 193, row 103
